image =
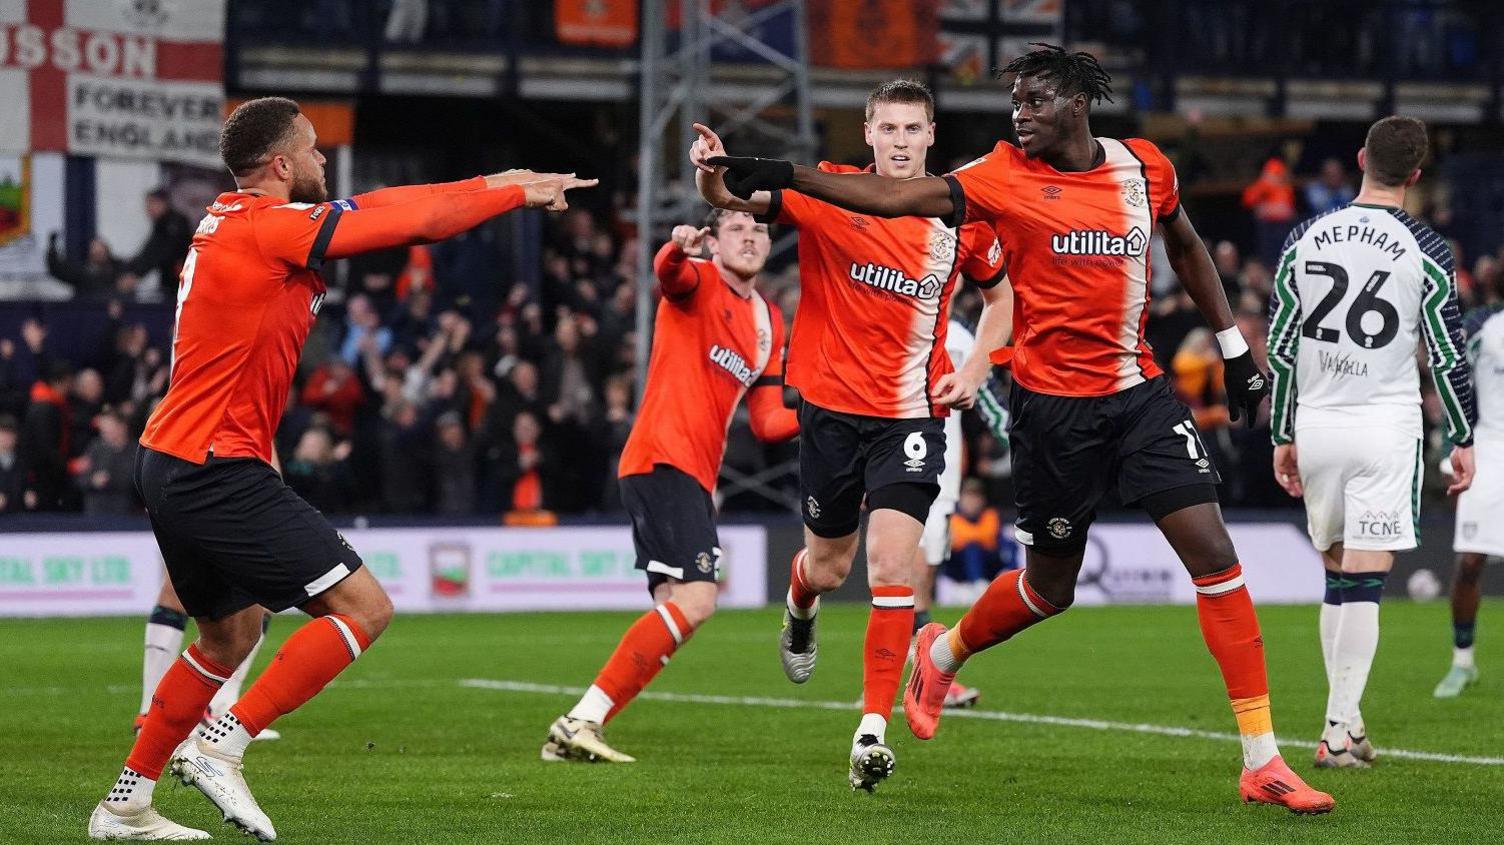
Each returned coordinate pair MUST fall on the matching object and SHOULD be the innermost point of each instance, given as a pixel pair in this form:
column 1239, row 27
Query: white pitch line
column 989, row 715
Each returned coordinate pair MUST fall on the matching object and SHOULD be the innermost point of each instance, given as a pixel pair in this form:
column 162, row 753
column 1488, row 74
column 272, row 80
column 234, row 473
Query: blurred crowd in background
column 431, row 385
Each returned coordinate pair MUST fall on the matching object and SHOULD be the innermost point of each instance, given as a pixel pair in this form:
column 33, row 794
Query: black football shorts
column 1068, row 451
column 233, row 534
column 673, row 526
column 895, row 463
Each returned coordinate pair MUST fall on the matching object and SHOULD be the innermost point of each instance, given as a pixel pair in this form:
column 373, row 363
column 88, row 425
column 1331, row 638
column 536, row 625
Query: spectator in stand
column 404, row 460
column 319, row 473
column 45, row 436
column 1171, row 317
column 104, row 473
column 609, row 435
column 976, row 540
column 165, row 248
column 334, row 389
column 1197, row 373
column 361, row 320
column 528, row 468
column 414, row 322
column 374, row 275
column 1258, row 284
column 1271, row 198
column 85, row 402
column 93, row 278
column 1331, row 190
column 567, row 371
column 12, row 472
column 454, row 468
column 13, row 391
column 1225, row 257
column 476, row 392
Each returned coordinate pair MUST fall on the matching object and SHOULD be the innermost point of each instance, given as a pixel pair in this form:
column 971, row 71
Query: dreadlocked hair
column 1074, row 73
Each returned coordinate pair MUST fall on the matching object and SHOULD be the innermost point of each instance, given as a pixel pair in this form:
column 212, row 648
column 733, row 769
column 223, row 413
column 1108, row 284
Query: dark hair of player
column 253, row 132
column 1073, row 73
column 1395, row 148
column 713, row 221
column 902, row 91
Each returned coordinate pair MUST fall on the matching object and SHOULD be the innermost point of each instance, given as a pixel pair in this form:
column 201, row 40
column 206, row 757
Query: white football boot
column 872, row 762
column 1336, row 749
column 797, row 648
column 144, row 825
column 577, row 739
column 222, row 782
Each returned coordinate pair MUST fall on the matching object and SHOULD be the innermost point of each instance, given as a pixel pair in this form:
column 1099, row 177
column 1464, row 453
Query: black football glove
column 745, row 175
column 1246, row 386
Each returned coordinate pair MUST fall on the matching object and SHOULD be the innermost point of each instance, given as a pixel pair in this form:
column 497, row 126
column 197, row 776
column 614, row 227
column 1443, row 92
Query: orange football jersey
column 874, row 303
column 1077, row 250
column 711, row 345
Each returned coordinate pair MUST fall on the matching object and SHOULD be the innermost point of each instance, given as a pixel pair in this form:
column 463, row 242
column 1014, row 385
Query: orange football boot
column 1274, row 783
column 924, row 697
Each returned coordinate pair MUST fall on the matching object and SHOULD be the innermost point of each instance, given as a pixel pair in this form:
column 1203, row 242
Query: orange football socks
column 1231, row 630
column 1009, row 606
column 176, row 706
column 889, row 627
column 310, row 659
column 642, row 653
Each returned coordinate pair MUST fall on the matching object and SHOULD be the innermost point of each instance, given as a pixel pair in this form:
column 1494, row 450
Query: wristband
column 1232, row 342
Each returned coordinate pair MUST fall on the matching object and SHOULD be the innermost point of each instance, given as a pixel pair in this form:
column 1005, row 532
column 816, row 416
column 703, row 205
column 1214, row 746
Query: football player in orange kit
column 868, row 358
column 1089, row 407
column 715, row 340
column 234, row 537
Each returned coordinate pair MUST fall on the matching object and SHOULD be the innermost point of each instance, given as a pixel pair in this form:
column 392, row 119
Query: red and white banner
column 113, row 78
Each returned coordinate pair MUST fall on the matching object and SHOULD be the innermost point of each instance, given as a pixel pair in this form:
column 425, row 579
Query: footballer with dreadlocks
column 1090, row 410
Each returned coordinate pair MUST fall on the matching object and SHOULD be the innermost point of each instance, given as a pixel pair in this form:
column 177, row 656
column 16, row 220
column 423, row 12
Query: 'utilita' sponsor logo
column 1100, row 242
column 731, row 362
column 894, row 281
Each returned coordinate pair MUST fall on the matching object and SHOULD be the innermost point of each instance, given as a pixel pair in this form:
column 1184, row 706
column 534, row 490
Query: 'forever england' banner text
column 113, row 78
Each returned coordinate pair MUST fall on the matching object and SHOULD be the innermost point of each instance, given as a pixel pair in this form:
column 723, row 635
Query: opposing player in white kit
column 934, row 543
column 1480, row 509
column 1356, row 289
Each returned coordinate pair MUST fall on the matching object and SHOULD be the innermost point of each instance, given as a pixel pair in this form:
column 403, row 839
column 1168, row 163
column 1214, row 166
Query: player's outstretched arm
column 677, row 277
column 709, row 179
column 866, row 193
column 407, row 193
column 1246, row 383
column 436, row 217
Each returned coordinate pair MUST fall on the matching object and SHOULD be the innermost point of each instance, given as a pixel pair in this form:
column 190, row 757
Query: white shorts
column 1480, row 510
column 1362, row 487
column 935, row 541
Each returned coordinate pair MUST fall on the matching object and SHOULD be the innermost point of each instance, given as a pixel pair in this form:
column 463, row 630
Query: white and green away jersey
column 1356, row 290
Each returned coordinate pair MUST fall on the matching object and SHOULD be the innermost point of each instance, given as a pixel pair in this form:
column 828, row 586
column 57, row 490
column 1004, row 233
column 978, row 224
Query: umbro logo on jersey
column 1051, row 192
column 731, row 362
column 859, row 222
column 894, row 281
column 1100, row 242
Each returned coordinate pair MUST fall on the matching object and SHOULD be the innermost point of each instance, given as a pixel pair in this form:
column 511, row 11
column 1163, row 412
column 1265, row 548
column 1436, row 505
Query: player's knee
column 227, row 646
column 1060, row 594
column 1469, row 571
column 376, row 616
column 697, row 605
column 826, row 566
column 890, row 568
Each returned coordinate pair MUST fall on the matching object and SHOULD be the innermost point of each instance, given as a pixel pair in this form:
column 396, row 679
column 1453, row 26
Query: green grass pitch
column 398, row 750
